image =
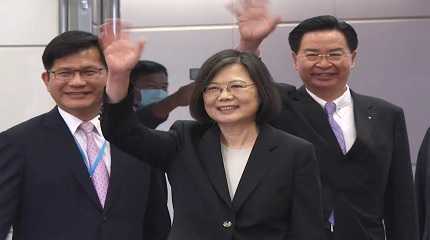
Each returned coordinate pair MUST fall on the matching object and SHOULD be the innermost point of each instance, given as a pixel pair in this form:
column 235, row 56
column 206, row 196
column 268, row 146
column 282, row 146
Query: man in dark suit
column 59, row 178
column 422, row 183
column 361, row 141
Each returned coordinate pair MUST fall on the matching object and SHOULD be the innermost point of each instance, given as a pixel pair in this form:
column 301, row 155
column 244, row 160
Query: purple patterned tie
column 330, row 108
column 100, row 177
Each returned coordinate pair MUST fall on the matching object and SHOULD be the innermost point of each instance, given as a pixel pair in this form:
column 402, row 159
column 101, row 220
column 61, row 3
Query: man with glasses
column 361, row 141
column 59, row 177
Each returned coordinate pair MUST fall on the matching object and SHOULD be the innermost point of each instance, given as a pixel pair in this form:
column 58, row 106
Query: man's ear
column 353, row 58
column 294, row 56
column 45, row 78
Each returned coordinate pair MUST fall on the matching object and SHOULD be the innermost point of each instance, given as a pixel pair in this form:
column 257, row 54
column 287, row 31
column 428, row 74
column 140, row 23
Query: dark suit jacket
column 147, row 117
column 46, row 192
column 422, row 182
column 370, row 188
column 278, row 196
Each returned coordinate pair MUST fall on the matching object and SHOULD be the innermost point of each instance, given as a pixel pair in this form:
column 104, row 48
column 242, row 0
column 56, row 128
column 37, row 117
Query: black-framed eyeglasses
column 233, row 87
column 69, row 74
column 331, row 57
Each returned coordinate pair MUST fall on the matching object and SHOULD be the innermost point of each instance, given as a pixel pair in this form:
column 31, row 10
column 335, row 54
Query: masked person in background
column 151, row 99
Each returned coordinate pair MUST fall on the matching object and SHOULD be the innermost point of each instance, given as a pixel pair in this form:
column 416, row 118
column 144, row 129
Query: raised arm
column 121, row 54
column 119, row 122
column 255, row 22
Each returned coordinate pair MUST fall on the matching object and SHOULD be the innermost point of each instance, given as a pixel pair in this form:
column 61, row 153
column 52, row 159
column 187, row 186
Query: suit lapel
column 116, row 174
column 316, row 117
column 64, row 146
column 364, row 116
column 210, row 155
column 260, row 160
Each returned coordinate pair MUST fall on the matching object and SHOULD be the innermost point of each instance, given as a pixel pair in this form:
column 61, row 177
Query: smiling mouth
column 323, row 74
column 227, row 108
column 77, row 94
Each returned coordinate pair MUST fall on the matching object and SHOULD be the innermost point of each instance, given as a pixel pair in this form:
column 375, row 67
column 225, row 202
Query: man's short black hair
column 144, row 67
column 321, row 23
column 69, row 43
column 270, row 102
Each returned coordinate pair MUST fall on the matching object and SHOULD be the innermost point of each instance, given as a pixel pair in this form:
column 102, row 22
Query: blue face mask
column 150, row 96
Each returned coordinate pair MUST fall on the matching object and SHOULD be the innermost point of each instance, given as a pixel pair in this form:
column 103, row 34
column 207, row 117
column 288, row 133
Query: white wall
column 27, row 25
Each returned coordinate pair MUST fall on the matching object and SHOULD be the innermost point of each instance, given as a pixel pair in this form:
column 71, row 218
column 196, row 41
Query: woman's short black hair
column 270, row 102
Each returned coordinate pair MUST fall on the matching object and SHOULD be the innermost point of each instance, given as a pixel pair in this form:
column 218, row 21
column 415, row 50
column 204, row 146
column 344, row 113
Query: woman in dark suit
column 232, row 175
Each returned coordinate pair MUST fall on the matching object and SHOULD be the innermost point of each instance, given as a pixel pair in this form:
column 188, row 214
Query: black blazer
column 147, row 117
column 370, row 188
column 46, row 192
column 278, row 196
column 422, row 182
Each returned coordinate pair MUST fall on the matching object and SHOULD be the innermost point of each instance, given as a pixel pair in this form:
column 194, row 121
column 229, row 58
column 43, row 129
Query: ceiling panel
column 204, row 12
column 382, row 8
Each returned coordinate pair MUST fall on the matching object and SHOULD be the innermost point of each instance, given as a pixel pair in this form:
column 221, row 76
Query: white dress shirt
column 73, row 123
column 344, row 115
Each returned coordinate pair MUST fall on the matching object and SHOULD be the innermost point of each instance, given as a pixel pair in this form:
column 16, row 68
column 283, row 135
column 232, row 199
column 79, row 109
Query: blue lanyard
column 99, row 157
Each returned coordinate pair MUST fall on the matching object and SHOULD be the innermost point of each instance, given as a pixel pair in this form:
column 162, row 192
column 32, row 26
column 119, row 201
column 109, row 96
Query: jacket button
column 227, row 224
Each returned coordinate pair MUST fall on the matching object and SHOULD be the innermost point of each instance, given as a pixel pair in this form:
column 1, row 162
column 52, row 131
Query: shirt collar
column 342, row 101
column 73, row 122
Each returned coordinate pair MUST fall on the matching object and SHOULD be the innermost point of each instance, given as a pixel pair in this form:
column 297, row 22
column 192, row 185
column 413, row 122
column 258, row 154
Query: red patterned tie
column 100, row 176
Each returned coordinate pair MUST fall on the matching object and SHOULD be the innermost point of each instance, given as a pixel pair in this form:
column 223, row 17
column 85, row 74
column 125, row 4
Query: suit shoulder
column 377, row 102
column 300, row 150
column 285, row 88
column 426, row 139
column 187, row 124
column 24, row 128
column 427, row 133
column 287, row 138
column 189, row 127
